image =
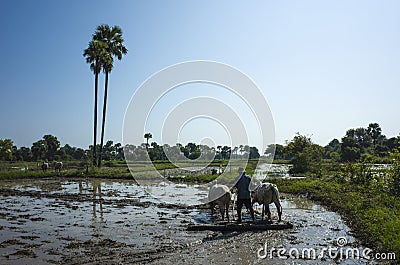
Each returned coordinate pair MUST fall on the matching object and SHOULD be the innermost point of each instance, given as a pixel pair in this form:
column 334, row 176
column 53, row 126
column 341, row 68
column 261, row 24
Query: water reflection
column 265, row 171
column 97, row 199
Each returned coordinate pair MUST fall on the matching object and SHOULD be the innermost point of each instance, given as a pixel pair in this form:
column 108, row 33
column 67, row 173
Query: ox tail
column 233, row 205
column 276, row 194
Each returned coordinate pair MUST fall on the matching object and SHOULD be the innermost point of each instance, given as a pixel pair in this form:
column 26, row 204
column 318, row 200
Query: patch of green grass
column 373, row 215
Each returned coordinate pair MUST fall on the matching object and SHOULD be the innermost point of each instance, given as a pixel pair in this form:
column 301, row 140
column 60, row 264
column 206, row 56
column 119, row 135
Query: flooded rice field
column 96, row 221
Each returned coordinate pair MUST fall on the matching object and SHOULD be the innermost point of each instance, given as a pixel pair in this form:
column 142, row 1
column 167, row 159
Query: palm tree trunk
column 104, row 118
column 96, row 82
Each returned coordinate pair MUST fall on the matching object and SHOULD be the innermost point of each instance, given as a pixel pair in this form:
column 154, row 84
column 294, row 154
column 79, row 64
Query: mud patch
column 29, row 237
column 90, row 244
column 24, row 253
column 11, row 242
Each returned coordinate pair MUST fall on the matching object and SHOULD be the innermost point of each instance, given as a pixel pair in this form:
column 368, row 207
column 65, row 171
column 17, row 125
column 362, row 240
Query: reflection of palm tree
column 97, row 191
column 80, row 186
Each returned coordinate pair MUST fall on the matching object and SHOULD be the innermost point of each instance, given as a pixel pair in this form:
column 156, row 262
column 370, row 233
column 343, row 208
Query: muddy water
column 92, row 221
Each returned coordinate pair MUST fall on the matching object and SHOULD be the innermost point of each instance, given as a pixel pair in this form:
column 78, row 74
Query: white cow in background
column 265, row 194
column 220, row 195
column 58, row 166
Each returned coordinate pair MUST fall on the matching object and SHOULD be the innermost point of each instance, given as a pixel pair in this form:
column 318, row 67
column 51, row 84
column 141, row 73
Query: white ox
column 58, row 166
column 220, row 195
column 265, row 194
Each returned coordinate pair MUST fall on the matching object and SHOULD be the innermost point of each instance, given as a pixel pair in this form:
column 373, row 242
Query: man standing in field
column 243, row 194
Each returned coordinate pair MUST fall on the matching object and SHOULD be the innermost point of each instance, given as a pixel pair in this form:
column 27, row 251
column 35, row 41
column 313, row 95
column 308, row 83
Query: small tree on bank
column 306, row 157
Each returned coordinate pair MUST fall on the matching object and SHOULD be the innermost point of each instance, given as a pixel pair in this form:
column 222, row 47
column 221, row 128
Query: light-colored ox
column 220, row 195
column 265, row 194
column 58, row 166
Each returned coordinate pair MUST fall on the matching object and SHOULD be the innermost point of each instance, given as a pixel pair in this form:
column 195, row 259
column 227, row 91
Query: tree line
column 300, row 151
column 49, row 149
column 355, row 145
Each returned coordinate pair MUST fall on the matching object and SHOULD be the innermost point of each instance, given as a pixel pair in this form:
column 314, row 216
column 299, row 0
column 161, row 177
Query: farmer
column 243, row 194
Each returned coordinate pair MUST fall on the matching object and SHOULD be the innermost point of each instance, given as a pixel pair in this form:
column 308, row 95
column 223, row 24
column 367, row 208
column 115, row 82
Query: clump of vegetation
column 394, row 173
column 306, row 157
column 366, row 196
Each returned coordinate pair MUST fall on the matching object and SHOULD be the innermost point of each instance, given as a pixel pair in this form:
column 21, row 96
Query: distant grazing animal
column 45, row 166
column 58, row 166
column 220, row 195
column 265, row 194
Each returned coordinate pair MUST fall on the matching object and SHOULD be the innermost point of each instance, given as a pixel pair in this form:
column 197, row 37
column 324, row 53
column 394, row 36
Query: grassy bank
column 373, row 216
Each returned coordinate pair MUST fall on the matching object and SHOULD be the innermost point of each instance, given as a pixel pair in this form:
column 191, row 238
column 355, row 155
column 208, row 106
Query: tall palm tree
column 114, row 47
column 94, row 54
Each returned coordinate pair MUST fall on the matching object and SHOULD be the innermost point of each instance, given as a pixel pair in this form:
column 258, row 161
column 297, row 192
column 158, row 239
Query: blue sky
column 323, row 66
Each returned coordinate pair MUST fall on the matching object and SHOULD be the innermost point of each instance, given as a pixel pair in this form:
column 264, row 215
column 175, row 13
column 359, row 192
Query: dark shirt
column 243, row 187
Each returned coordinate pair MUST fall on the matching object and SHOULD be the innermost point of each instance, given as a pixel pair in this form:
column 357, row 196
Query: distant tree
column 173, row 153
column 253, row 153
column 147, row 136
column 78, row 154
column 156, row 152
column 225, row 152
column 114, row 47
column 305, row 155
column 235, row 151
column 355, row 143
column 270, row 150
column 241, row 150
column 374, row 130
column 153, row 151
column 24, row 154
column 276, row 150
column 219, row 153
column 207, row 153
column 381, row 147
column 52, row 145
column 393, row 143
column 350, row 150
column 332, row 150
column 69, row 150
column 6, row 149
column 246, row 151
column 333, row 146
column 39, row 150
column 297, row 145
column 364, row 140
column 109, row 150
column 191, row 151
column 119, row 151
